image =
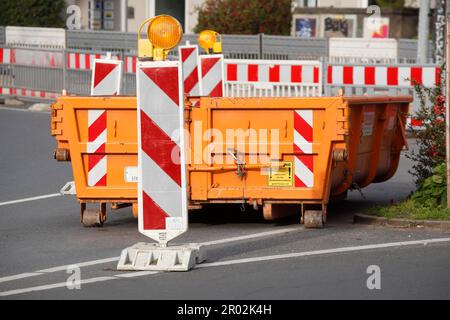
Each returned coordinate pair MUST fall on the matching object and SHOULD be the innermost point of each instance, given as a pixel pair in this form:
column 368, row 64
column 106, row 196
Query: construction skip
column 165, row 152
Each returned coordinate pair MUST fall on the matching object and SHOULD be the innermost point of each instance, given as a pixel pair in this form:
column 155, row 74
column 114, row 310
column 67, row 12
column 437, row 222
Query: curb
column 401, row 223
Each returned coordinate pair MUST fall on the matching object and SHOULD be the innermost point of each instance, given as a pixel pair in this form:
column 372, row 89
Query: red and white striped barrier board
column 191, row 76
column 303, row 148
column 213, row 75
column 5, row 56
column 162, row 193
column 96, row 148
column 84, row 61
column 130, row 64
column 385, row 76
column 106, row 78
column 291, row 72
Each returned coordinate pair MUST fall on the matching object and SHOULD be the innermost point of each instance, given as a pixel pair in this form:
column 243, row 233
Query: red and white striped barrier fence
column 6, row 56
column 106, row 78
column 84, row 61
column 247, row 78
column 27, row 93
column 303, row 148
column 383, row 76
column 162, row 193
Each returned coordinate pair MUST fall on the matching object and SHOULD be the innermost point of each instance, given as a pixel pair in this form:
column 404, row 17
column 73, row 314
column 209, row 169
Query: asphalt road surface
column 42, row 238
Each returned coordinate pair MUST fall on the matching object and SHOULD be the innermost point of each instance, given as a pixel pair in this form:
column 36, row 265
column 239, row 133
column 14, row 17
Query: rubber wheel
column 92, row 219
column 313, row 219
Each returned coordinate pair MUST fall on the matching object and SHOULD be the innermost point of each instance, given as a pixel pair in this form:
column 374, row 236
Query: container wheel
column 93, row 218
column 313, row 219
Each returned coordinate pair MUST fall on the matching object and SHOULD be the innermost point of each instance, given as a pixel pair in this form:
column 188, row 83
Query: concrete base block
column 154, row 257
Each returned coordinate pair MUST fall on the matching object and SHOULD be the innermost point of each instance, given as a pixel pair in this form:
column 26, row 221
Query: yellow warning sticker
column 282, row 176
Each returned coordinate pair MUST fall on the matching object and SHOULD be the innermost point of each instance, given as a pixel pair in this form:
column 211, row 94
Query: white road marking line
column 323, row 252
column 82, row 282
column 54, row 195
column 114, row 259
column 238, row 261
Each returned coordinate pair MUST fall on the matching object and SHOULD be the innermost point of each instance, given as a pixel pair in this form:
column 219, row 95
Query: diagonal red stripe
column 307, row 160
column 348, row 75
column 166, row 78
column 97, row 127
column 299, row 183
column 185, row 53
column 158, row 146
column 253, row 72
column 102, row 70
column 102, row 182
column 191, row 81
column 217, row 92
column 208, row 64
column 392, row 74
column 94, row 159
column 154, row 216
column 302, row 127
column 369, row 76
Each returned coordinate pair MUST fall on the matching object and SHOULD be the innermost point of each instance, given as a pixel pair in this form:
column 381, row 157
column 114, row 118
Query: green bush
column 272, row 17
column 430, row 136
column 433, row 191
column 32, row 13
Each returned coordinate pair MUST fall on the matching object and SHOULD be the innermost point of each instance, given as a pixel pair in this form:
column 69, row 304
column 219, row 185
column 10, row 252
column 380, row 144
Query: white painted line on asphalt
column 323, row 252
column 54, row 195
column 114, row 259
column 252, row 236
column 82, row 282
column 239, row 261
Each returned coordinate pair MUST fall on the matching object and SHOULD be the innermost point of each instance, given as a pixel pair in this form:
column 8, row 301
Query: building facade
column 127, row 15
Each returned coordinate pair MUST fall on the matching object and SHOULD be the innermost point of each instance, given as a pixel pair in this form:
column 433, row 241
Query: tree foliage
column 32, row 13
column 395, row 4
column 246, row 16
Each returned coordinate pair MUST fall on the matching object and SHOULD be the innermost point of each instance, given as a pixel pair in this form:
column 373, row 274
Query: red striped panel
column 369, row 76
column 102, row 182
column 330, row 75
column 158, row 146
column 94, row 159
column 77, row 61
column 296, row 74
column 302, row 127
column 154, row 216
column 274, row 74
column 97, row 127
column 348, row 75
column 87, row 61
column 167, row 80
column 416, row 75
column 392, row 76
column 316, row 75
column 232, row 72
column 253, row 72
